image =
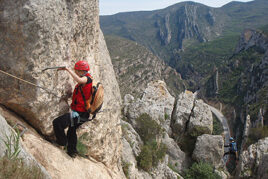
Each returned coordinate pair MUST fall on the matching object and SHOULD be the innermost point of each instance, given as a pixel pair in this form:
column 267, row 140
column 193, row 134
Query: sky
column 109, row 7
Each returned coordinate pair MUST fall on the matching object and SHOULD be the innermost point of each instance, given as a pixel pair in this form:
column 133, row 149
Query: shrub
column 80, row 146
column 148, row 129
column 201, row 171
column 125, row 166
column 256, row 134
column 151, row 154
column 145, row 159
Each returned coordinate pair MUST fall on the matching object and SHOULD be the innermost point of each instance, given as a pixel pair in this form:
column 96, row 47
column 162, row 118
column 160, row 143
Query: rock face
column 38, row 34
column 253, row 162
column 201, row 121
column 210, row 149
column 156, row 101
column 250, row 38
column 253, row 82
column 191, row 116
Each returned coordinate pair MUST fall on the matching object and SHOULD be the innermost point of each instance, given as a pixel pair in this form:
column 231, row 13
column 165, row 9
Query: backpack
column 95, row 101
column 233, row 147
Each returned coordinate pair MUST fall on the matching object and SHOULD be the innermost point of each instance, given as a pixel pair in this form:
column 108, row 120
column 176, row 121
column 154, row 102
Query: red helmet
column 81, row 65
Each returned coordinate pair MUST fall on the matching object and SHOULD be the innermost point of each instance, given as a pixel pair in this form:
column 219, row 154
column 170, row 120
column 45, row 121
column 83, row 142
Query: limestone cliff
column 253, row 161
column 182, row 119
column 39, row 34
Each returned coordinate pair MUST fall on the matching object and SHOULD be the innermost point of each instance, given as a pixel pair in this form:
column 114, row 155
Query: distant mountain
column 243, row 80
column 168, row 31
column 135, row 66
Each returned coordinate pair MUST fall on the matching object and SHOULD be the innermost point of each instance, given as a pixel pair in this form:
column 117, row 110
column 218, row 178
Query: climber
column 78, row 115
column 232, row 149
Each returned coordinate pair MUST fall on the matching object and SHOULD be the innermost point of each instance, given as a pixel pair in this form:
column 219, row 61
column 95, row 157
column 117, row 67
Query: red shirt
column 77, row 99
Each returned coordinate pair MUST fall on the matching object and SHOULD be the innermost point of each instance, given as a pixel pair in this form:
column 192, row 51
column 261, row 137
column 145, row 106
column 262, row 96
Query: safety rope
column 30, row 83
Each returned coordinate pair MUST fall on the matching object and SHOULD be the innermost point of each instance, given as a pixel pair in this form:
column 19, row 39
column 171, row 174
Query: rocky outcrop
column 250, row 38
column 183, row 111
column 210, row 149
column 191, row 116
column 37, row 34
column 253, row 161
column 156, row 101
column 164, row 31
column 177, row 158
column 201, row 121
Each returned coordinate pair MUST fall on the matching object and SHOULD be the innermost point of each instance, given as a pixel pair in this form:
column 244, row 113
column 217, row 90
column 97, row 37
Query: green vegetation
column 217, row 126
column 256, row 134
column 81, row 147
column 166, row 116
column 203, row 58
column 125, row 166
column 15, row 168
column 148, row 129
column 201, row 171
column 264, row 29
column 12, row 145
column 152, row 152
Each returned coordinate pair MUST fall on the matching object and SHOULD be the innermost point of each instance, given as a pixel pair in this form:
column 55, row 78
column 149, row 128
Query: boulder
column 156, row 101
column 183, row 110
column 177, row 158
column 253, row 161
column 201, row 120
column 191, row 116
column 210, row 149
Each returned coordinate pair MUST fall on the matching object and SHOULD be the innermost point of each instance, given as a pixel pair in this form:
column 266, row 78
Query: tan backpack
column 95, row 101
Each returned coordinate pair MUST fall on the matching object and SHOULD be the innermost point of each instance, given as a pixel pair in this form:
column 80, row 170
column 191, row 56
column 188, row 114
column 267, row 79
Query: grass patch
column 81, row 147
column 15, row 168
column 12, row 145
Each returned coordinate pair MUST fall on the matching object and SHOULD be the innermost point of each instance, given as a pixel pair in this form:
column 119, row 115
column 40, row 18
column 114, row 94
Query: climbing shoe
column 72, row 154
